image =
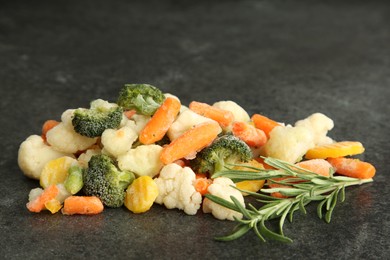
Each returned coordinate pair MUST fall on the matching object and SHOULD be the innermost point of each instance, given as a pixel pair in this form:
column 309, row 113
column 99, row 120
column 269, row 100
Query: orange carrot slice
column 159, row 124
column 47, row 195
column 319, row 166
column 202, row 184
column 353, row 167
column 223, row 117
column 334, row 150
column 264, row 123
column 251, row 135
column 49, row 124
column 85, row 205
column 190, row 141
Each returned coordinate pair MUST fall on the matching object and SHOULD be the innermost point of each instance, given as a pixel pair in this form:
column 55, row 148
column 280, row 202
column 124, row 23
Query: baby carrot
column 353, row 167
column 49, row 124
column 190, row 142
column 251, row 135
column 38, row 204
column 319, row 166
column 159, row 124
column 202, row 184
column 264, row 123
column 223, row 117
column 86, row 205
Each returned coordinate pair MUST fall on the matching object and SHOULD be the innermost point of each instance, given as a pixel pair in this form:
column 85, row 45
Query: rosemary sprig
column 306, row 186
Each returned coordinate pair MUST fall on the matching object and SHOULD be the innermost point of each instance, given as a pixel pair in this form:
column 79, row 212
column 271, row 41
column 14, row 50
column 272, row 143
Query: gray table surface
column 285, row 59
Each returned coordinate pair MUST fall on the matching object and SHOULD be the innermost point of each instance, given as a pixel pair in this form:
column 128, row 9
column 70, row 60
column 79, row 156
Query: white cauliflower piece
column 34, row 154
column 118, row 141
column 238, row 112
column 176, row 189
column 67, row 117
column 100, row 103
column 288, row 143
column 84, row 158
column 221, row 187
column 185, row 121
column 138, row 122
column 142, row 160
column 63, row 138
column 319, row 125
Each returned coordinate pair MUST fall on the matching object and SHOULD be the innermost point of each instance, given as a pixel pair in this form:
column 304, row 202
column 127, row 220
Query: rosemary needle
column 305, row 187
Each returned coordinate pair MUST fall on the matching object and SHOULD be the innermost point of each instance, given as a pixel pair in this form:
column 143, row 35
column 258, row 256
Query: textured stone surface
column 283, row 59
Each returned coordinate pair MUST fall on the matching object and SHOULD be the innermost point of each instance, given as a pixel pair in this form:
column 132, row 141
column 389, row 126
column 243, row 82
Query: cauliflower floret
column 184, row 122
column 238, row 112
column 176, row 190
column 143, row 160
column 138, row 122
column 319, row 125
column 100, row 103
column 67, row 116
column 288, row 143
column 118, row 141
column 63, row 138
column 221, row 187
column 84, row 158
column 34, row 154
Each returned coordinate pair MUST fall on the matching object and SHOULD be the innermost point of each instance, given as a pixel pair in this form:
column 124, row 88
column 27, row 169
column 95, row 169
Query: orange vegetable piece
column 159, row 124
column 190, row 141
column 277, row 185
column 353, row 167
column 319, row 166
column 264, row 123
column 251, row 135
column 130, row 113
column 202, row 184
column 223, row 117
column 49, row 124
column 38, row 204
column 85, row 205
column 266, row 166
column 334, row 150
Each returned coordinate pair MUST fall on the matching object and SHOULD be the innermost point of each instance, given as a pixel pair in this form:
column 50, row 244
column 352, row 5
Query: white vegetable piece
column 319, row 124
column 118, row 141
column 84, row 158
column 138, row 122
column 185, row 121
column 221, row 187
column 238, row 112
column 63, row 138
column 34, row 154
column 288, row 143
column 143, row 160
column 176, row 189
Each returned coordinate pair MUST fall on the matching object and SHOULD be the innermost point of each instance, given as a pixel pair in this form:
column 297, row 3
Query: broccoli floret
column 103, row 179
column 144, row 98
column 92, row 122
column 226, row 149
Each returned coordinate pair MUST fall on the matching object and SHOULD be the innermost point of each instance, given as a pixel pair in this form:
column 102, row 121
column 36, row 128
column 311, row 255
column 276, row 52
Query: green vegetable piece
column 144, row 98
column 74, row 181
column 226, row 149
column 103, row 179
column 92, row 122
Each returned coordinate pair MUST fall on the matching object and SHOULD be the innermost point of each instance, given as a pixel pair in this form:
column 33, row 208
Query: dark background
column 285, row 59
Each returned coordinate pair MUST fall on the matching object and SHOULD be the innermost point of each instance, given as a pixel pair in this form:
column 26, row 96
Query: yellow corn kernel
column 141, row 194
column 56, row 171
column 53, row 206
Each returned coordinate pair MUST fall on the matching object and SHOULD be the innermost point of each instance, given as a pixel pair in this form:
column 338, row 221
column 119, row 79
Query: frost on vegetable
column 221, row 187
column 176, row 190
column 34, row 154
column 142, row 160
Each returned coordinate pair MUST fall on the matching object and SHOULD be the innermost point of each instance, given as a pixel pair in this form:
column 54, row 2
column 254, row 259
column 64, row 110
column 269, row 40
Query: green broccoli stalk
column 226, row 149
column 103, row 179
column 92, row 122
column 144, row 98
